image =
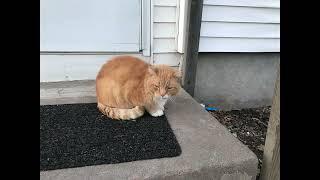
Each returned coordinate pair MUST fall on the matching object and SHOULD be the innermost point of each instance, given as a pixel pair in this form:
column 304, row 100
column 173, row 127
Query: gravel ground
column 248, row 125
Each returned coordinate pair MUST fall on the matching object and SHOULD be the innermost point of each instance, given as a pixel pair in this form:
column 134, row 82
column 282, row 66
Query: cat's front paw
column 157, row 113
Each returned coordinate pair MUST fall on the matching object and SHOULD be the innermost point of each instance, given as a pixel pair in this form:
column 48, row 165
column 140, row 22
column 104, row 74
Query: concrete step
column 209, row 150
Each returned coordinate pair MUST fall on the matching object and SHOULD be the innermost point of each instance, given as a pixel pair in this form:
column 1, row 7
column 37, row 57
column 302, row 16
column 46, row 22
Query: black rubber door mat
column 77, row 135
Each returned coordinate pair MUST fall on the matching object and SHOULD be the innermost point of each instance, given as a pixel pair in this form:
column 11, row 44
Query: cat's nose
column 162, row 93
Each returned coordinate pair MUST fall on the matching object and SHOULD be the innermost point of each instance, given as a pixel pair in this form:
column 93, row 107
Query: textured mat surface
column 78, row 135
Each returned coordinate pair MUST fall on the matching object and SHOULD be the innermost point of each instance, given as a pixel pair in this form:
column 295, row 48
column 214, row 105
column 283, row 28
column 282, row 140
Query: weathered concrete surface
column 236, row 80
column 67, row 92
column 209, row 151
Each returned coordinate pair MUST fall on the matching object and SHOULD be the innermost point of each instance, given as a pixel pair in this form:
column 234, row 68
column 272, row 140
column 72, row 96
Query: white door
column 90, row 25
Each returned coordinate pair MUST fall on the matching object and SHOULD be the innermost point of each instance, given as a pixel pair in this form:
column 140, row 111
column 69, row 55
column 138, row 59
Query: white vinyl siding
column 164, row 30
column 252, row 30
column 240, row 26
column 165, row 22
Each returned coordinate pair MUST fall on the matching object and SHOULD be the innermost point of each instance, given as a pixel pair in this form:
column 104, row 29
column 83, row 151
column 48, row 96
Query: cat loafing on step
column 126, row 87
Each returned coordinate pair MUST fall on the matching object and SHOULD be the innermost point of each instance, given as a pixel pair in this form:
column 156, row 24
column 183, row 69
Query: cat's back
column 123, row 67
column 119, row 80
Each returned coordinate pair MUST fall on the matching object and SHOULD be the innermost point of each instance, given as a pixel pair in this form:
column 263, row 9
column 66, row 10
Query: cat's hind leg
column 121, row 114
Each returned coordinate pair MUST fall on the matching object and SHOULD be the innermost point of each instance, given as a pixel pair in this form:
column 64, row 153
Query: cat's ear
column 177, row 74
column 152, row 70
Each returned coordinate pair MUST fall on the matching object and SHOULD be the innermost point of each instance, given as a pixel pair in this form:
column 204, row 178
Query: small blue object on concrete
column 211, row 109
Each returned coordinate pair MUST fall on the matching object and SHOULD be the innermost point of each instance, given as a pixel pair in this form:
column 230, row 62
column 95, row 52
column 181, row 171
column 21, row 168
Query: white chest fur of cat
column 158, row 107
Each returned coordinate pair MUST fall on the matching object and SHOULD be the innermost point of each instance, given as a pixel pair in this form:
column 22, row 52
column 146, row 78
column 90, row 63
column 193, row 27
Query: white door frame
column 146, row 24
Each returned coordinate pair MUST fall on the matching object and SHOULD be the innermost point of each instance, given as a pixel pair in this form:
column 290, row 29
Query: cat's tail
column 121, row 114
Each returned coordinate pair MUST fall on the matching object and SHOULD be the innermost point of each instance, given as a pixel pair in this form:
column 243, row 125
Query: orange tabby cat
column 127, row 86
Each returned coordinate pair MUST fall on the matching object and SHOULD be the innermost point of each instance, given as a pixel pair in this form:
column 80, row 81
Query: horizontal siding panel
column 164, row 45
column 248, row 3
column 164, row 30
column 170, row 59
column 240, row 14
column 249, row 30
column 164, row 14
column 165, row 2
column 238, row 45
